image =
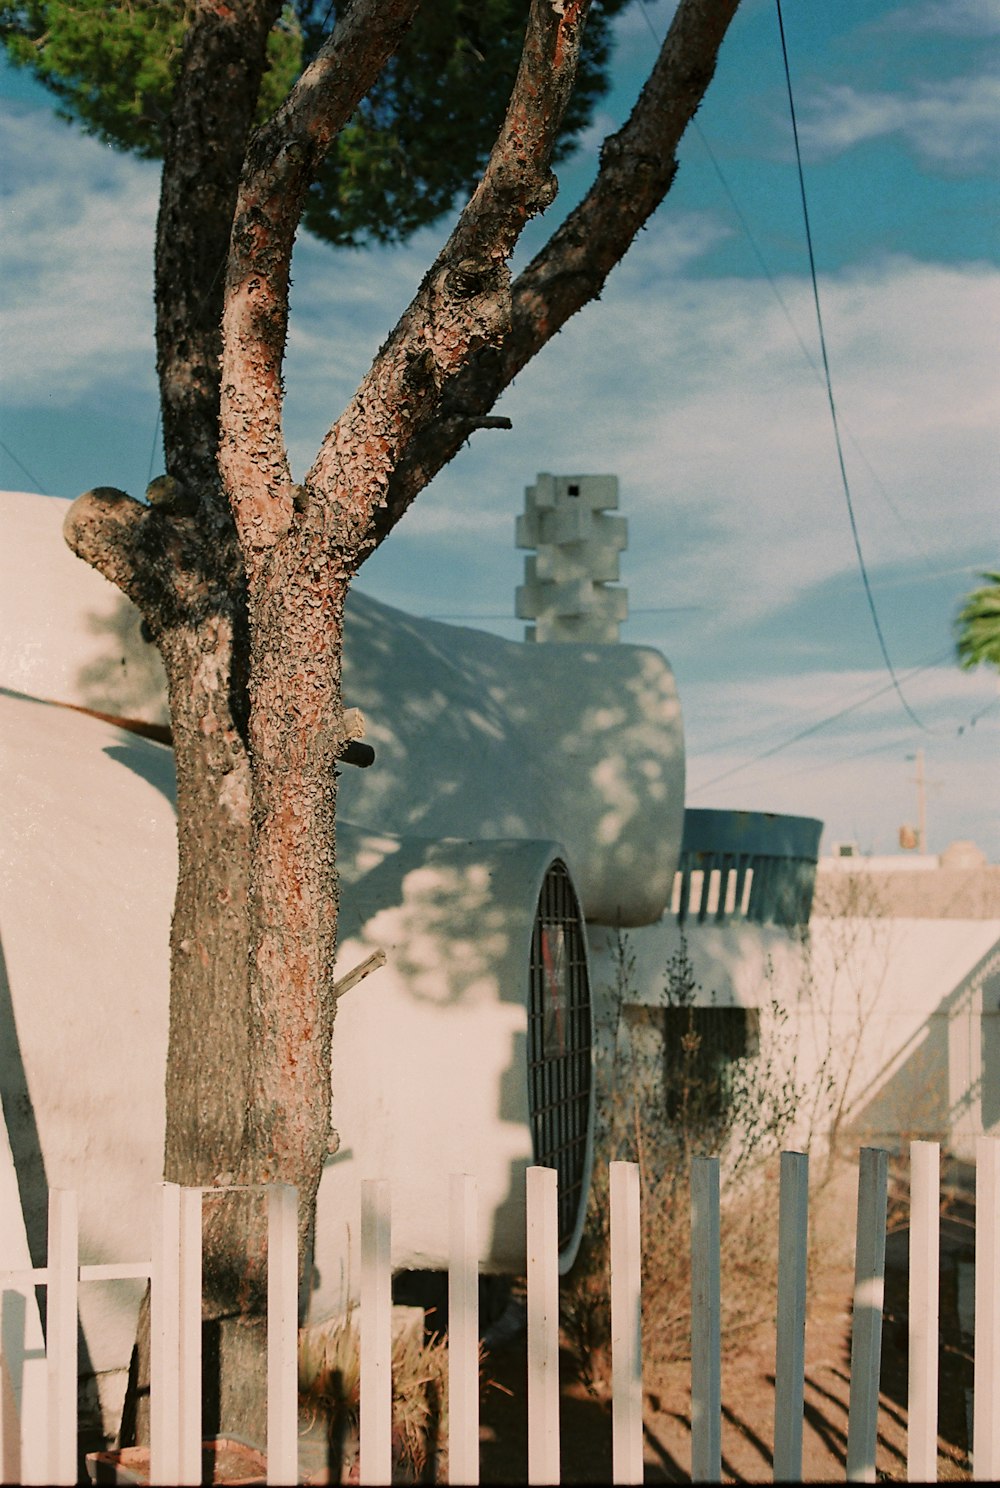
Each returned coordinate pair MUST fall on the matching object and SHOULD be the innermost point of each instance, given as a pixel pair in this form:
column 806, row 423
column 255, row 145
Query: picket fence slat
column 706, row 1323
column 122, row 1271
column 866, row 1328
column 543, row 1325
column 61, row 1316
column 925, row 1256
column 282, row 1333
column 790, row 1344
column 463, row 1331
column 189, row 1338
column 626, row 1324
column 164, row 1337
column 376, row 1333
column 986, row 1373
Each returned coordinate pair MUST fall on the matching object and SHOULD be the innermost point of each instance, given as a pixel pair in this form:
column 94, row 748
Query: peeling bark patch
column 569, row 13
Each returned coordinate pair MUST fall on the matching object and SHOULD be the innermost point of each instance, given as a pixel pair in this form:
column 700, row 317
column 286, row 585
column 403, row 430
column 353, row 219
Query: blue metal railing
column 750, row 865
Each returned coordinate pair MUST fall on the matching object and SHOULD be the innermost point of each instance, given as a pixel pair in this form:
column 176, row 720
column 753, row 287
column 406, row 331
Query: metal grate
column 559, row 1044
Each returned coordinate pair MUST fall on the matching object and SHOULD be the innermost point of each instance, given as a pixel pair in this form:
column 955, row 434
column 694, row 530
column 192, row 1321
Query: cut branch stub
column 102, row 527
column 364, row 968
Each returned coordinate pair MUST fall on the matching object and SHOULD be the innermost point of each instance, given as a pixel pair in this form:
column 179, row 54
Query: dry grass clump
column 330, row 1382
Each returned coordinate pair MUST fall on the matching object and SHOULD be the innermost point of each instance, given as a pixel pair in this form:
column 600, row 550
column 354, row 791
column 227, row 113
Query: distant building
column 956, row 884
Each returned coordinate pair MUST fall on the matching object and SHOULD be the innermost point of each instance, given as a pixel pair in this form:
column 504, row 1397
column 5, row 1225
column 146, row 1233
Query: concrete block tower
column 566, row 583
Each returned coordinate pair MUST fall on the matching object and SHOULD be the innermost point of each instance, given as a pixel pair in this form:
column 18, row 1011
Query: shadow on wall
column 447, row 913
column 125, row 676
column 480, row 737
column 432, row 1055
column 944, row 1085
column 33, row 1193
column 22, row 1131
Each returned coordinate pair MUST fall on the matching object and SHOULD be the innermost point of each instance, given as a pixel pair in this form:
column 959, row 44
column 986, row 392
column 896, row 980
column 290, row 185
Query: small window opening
column 691, row 1048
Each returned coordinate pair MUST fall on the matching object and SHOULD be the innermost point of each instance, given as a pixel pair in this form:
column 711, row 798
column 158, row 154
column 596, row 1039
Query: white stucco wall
column 902, row 1014
column 430, row 1051
column 66, row 633
column 475, row 736
column 23, row 1383
column 912, row 1006
column 491, row 758
column 87, row 860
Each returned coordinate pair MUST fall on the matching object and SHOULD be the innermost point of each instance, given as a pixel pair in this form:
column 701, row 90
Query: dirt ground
column 748, row 1380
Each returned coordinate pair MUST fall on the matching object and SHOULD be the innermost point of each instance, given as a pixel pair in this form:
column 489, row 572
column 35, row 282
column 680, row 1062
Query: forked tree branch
column 463, row 304
column 281, row 163
column 637, row 168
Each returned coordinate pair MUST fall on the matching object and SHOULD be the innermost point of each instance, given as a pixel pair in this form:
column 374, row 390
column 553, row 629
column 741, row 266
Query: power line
column 825, row 373
column 516, row 619
column 152, row 450
column 21, row 466
column 867, row 697
column 773, row 283
column 829, row 390
column 814, row 728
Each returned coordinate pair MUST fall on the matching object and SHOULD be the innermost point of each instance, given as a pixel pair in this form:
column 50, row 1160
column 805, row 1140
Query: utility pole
column 921, row 803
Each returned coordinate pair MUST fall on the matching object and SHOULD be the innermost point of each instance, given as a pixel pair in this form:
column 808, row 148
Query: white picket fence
column 40, row 1386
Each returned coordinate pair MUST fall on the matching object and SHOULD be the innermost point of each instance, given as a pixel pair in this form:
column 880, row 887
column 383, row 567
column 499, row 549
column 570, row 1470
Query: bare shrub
column 330, row 1384
column 683, row 1082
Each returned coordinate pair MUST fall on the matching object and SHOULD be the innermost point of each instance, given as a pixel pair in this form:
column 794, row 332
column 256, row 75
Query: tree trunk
column 207, row 1057
column 297, row 591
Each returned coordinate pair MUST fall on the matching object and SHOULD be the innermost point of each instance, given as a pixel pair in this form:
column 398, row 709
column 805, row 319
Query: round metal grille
column 560, row 1045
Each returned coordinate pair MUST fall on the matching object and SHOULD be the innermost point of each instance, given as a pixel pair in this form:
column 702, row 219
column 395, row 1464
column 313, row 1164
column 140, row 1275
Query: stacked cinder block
column 565, row 590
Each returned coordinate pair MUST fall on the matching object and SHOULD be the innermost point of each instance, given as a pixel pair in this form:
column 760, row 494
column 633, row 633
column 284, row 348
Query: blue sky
column 694, row 380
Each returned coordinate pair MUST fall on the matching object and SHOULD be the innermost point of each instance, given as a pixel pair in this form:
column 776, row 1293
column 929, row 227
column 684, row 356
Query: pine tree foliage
column 416, row 144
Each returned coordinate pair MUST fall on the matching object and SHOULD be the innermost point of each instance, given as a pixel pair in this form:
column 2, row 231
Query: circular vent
column 560, row 1082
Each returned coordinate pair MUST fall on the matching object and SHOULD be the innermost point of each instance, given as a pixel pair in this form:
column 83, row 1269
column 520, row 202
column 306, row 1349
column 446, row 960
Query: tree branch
column 214, row 102
column 282, row 161
column 463, row 304
column 637, row 168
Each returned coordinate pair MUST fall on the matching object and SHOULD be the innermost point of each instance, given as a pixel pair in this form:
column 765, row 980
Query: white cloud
column 77, row 262
column 693, row 390
column 953, row 124
column 950, row 17
column 696, row 393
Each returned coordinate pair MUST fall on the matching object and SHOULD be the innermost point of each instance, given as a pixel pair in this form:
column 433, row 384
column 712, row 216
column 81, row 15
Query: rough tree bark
column 242, row 576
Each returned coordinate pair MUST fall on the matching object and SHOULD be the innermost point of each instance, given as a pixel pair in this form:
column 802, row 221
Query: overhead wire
column 516, row 619
column 153, row 446
column 21, row 466
column 893, row 684
column 845, row 483
column 824, row 374
column 866, row 697
column 814, row 728
column 810, row 359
